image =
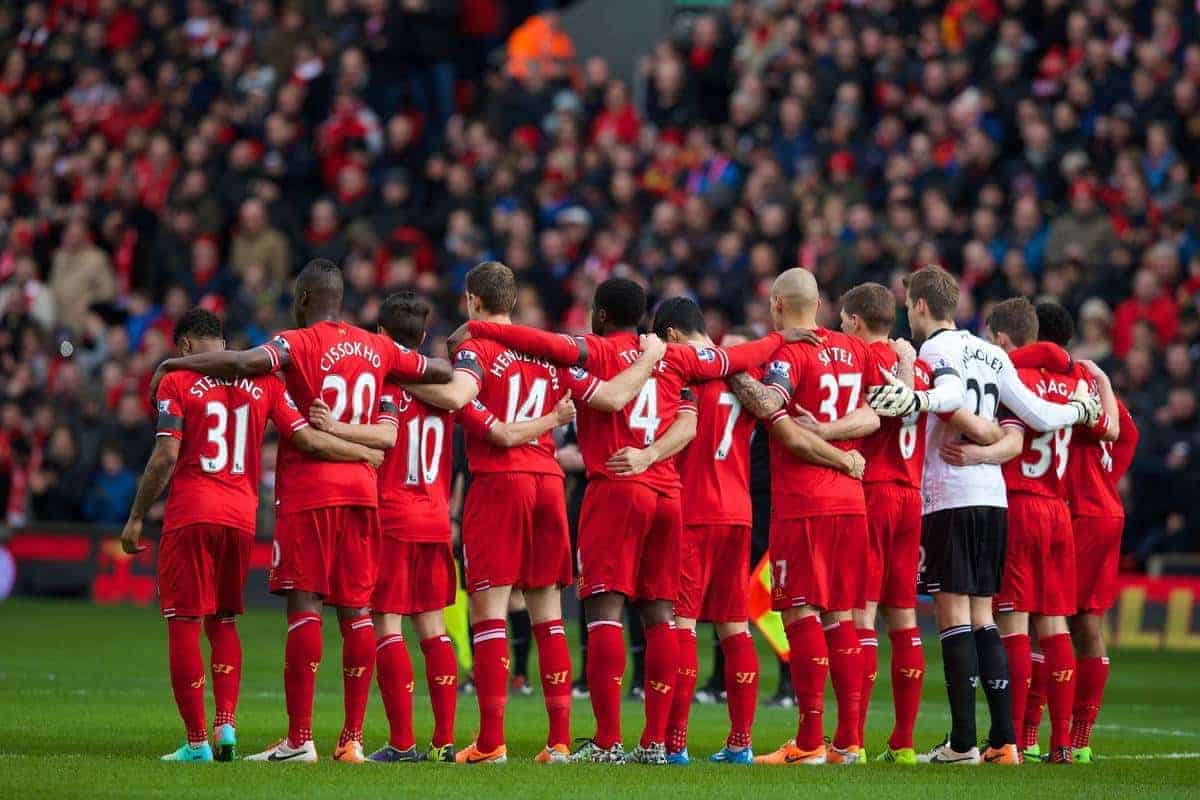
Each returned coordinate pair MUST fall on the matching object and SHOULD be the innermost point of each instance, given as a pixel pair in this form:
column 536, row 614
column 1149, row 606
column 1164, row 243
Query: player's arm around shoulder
column 227, row 364
column 630, row 461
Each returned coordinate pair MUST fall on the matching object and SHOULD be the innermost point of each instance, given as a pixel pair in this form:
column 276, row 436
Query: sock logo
column 658, row 686
column 821, row 661
column 222, row 669
column 198, row 683
column 619, row 679
column 998, row 684
column 744, row 678
column 848, row 651
column 686, row 672
column 1063, row 675
column 408, row 687
column 444, row 680
column 353, row 672
column 555, row 678
column 974, row 679
column 871, row 676
column 313, row 666
column 504, row 662
column 912, row 673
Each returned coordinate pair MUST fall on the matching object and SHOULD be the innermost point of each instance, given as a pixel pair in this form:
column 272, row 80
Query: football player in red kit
column 715, row 549
column 1095, row 466
column 417, row 577
column 515, row 530
column 819, row 537
column 630, row 524
column 895, row 456
column 1039, row 569
column 327, row 534
column 209, row 444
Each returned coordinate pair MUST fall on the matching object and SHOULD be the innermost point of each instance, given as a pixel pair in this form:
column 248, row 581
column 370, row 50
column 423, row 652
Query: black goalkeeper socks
column 993, row 673
column 520, row 637
column 961, row 665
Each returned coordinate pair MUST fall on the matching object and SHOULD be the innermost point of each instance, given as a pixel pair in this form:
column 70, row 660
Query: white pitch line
column 1132, row 757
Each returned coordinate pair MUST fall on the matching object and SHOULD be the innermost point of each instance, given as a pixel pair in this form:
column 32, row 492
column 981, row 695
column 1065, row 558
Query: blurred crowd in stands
column 156, row 154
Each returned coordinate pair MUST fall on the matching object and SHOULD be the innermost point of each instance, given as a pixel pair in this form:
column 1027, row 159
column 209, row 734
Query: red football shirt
column 220, row 424
column 896, row 452
column 415, row 479
column 1096, row 467
column 347, row 367
column 829, row 381
column 520, row 388
column 715, row 466
column 1042, row 465
column 653, row 410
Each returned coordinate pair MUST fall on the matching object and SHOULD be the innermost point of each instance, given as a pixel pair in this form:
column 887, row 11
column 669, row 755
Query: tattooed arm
column 754, row 396
column 154, row 480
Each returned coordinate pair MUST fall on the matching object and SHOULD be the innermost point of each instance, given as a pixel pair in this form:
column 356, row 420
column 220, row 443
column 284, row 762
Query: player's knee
column 605, row 607
column 345, row 613
column 727, row 629
column 656, row 612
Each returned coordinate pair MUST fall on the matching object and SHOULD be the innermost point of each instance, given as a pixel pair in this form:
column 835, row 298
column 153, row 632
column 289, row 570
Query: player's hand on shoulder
column 131, row 537
column 320, row 415
column 893, row 399
column 456, row 339
column 858, row 465
column 903, row 350
column 1094, row 370
column 805, row 335
column 651, row 345
column 564, row 411
column 628, row 461
column 1087, row 404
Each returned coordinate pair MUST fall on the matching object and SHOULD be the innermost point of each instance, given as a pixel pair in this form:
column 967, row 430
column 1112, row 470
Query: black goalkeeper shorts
column 962, row 550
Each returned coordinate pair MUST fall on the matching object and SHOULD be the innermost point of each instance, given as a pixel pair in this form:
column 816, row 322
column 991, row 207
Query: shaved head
column 797, row 288
column 318, row 292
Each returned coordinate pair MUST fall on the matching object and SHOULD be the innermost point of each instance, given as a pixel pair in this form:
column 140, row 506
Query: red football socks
column 685, row 688
column 1089, row 696
column 605, row 669
column 226, row 667
column 441, row 673
column 394, row 673
column 662, row 660
column 845, row 668
column 741, row 687
column 358, row 670
column 491, row 681
column 868, row 644
column 187, row 675
column 809, row 664
column 1033, row 706
column 301, row 657
column 1060, row 686
column 554, row 662
column 1020, row 673
column 908, row 675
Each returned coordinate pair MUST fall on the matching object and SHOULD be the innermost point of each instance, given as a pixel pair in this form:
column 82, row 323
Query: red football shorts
column 1039, row 565
column 820, row 562
column 514, row 531
column 1097, row 554
column 893, row 543
column 333, row 552
column 629, row 538
column 714, row 573
column 414, row 577
column 202, row 569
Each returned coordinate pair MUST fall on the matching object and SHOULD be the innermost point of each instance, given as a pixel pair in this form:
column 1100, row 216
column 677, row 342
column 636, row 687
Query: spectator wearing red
column 1150, row 303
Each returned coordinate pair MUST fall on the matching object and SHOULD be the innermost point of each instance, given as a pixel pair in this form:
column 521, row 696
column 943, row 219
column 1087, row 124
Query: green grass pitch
column 86, row 709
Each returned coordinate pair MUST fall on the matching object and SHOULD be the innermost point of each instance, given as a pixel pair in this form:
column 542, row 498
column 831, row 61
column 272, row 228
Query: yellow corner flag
column 769, row 622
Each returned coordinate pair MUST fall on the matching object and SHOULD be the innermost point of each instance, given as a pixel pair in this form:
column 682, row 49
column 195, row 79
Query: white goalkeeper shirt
column 969, row 372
